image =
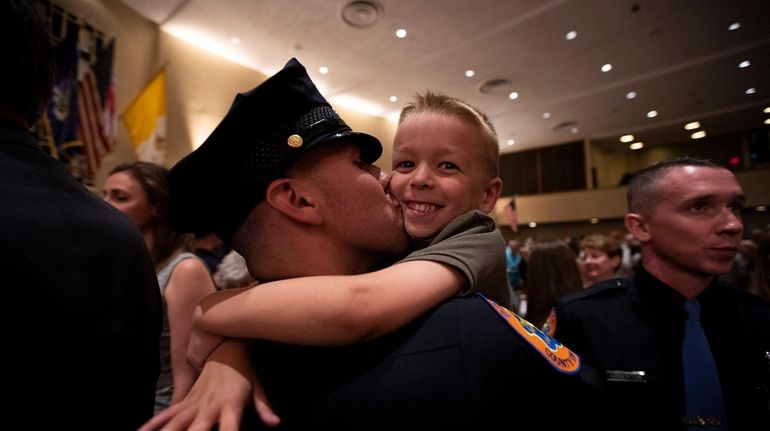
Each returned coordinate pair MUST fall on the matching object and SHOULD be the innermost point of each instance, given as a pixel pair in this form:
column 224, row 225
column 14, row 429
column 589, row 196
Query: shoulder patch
column 549, row 327
column 560, row 357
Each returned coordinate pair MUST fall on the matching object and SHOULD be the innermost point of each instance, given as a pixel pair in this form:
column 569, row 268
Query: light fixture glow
column 547, row 115
column 751, row 90
column 324, row 70
column 761, row 208
column 652, row 114
column 572, row 34
column 573, row 130
column 734, row 26
column 626, row 138
column 744, row 63
column 594, row 220
column 636, row 146
column 607, row 67
column 692, row 126
column 393, row 99
column 469, row 73
column 766, row 110
column 699, row 134
column 767, row 120
column 510, row 142
column 513, row 95
column 631, row 95
column 532, row 224
column 400, row 33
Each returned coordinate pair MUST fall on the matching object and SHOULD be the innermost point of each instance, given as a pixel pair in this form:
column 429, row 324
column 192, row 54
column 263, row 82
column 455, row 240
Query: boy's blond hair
column 442, row 104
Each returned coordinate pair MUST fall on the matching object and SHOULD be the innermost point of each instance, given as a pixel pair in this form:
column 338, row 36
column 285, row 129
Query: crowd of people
column 382, row 299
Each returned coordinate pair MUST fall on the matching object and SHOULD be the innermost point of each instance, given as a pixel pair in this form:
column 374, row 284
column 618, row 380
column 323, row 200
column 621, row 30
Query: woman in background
column 140, row 191
column 552, row 273
column 599, row 258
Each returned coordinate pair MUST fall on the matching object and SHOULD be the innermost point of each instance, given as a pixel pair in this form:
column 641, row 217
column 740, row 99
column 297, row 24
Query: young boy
column 445, row 178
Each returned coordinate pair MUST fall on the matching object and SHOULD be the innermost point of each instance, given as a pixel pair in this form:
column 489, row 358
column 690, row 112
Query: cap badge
column 294, row 141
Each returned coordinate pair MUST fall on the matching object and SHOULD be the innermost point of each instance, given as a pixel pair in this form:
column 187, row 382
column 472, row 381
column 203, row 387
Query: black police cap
column 215, row 187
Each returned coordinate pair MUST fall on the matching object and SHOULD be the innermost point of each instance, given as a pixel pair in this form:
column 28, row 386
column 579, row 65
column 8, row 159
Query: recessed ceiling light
column 593, row 220
column 766, row 110
column 744, row 63
column 761, row 208
column 571, row 35
column 400, row 33
column 235, row 40
column 513, row 95
column 699, row 134
column 393, row 99
column 692, row 126
column 532, row 224
column 607, row 67
column 751, row 90
column 573, row 130
column 734, row 26
column 652, row 114
column 469, row 73
column 626, row 138
column 636, row 146
column 510, row 142
column 767, row 120
column 631, row 95
column 547, row 115
column 324, row 70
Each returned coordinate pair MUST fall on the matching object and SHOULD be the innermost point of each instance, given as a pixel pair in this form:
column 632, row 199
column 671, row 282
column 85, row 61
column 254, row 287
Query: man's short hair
column 26, row 80
column 442, row 104
column 643, row 190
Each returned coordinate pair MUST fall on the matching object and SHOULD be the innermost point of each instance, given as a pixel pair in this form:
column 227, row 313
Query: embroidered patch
column 560, row 357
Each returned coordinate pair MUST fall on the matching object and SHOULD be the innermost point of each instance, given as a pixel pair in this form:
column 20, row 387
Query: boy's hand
column 201, row 343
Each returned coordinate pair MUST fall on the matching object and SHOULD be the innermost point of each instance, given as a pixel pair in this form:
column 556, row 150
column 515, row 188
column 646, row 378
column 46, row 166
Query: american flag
column 90, row 129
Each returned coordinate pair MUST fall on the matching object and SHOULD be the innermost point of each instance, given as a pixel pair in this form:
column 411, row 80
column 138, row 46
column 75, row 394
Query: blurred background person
column 81, row 308
column 599, row 258
column 760, row 280
column 232, row 272
column 552, row 273
column 210, row 249
column 140, row 191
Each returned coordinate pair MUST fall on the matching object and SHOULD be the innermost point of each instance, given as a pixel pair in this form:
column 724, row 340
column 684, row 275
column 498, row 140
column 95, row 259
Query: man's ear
column 636, row 224
column 491, row 193
column 291, row 198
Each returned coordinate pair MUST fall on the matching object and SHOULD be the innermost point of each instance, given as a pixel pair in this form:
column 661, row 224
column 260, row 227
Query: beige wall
column 608, row 203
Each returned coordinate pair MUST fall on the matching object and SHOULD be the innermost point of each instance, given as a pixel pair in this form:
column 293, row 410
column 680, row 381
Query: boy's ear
column 491, row 193
column 290, row 197
column 636, row 224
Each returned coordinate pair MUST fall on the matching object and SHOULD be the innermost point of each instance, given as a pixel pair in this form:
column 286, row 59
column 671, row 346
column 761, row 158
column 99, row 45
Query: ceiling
column 678, row 56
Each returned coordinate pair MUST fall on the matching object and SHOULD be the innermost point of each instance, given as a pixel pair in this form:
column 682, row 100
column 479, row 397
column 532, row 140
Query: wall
column 199, row 85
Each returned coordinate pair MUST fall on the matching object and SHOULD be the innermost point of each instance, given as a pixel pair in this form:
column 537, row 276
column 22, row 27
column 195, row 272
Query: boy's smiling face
column 439, row 172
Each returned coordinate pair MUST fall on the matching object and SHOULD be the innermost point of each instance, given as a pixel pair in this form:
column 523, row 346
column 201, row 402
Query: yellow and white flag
column 145, row 119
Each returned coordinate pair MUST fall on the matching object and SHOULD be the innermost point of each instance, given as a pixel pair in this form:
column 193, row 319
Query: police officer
column 687, row 215
column 466, row 363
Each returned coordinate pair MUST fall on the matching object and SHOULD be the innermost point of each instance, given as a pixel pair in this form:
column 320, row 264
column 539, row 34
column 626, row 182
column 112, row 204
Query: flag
column 145, row 119
column 90, row 129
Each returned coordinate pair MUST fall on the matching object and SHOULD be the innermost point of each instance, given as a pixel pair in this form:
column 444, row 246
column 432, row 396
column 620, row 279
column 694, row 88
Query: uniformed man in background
column 686, row 213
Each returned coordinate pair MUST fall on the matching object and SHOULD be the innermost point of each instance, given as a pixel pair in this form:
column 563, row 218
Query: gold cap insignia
column 294, row 141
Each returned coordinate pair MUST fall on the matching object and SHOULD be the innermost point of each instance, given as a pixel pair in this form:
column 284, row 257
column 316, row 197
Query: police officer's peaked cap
column 215, row 187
